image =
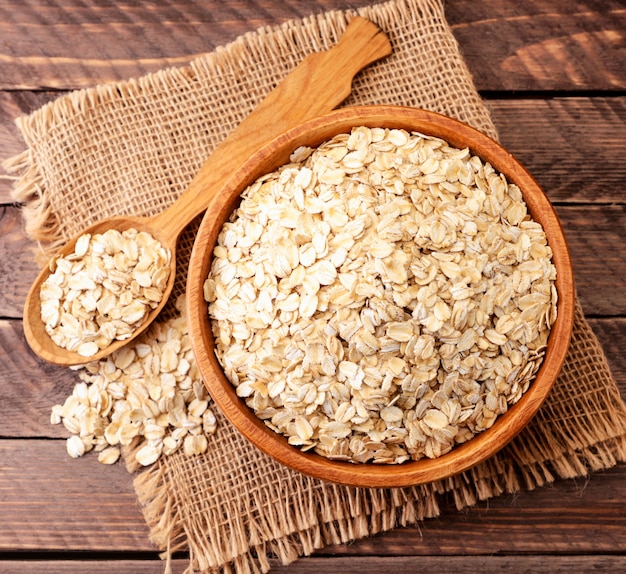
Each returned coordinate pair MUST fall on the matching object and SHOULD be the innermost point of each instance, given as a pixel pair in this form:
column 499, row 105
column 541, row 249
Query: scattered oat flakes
column 381, row 298
column 148, row 394
column 104, row 290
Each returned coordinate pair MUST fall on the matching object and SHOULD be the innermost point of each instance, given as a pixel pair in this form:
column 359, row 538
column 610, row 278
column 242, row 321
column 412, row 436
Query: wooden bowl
column 275, row 154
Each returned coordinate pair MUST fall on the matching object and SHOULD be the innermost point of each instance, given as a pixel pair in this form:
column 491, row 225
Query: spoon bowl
column 34, row 329
column 317, row 85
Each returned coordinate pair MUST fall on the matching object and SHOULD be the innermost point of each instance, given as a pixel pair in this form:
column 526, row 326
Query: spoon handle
column 318, row 84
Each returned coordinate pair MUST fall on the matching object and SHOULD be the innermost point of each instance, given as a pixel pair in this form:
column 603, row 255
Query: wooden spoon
column 317, row 85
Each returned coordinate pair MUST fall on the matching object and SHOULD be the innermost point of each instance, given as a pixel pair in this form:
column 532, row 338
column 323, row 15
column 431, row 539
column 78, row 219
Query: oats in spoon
column 104, row 290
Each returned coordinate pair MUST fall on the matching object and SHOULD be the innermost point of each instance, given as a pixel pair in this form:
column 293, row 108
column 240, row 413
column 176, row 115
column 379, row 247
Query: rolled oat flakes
column 381, row 298
column 147, row 395
column 104, row 290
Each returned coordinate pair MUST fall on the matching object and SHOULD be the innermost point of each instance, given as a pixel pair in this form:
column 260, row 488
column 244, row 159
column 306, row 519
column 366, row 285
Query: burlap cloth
column 132, row 147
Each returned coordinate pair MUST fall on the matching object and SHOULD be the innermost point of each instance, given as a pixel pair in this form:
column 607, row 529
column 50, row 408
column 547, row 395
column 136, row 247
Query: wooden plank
column 574, row 517
column 29, row 387
column 48, row 500
column 353, row 564
column 456, row 564
column 17, row 265
column 577, row 158
column 13, row 105
column 594, row 234
column 81, row 505
column 93, row 566
column 574, row 147
column 543, row 44
column 595, row 238
column 118, row 41
column 508, row 44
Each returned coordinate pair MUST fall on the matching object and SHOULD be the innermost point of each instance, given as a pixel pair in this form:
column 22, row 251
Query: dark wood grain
column 553, row 73
column 521, row 47
column 574, row 147
column 112, row 41
column 101, row 566
column 30, row 387
column 17, row 268
column 51, row 501
column 542, row 45
column 595, row 238
column 94, row 508
column 594, row 234
column 364, row 565
column 456, row 564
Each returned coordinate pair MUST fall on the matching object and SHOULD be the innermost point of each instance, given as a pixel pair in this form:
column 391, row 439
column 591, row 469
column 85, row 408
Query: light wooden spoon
column 317, row 85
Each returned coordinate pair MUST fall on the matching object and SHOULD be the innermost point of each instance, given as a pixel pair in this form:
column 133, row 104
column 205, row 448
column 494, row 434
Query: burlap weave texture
column 132, row 147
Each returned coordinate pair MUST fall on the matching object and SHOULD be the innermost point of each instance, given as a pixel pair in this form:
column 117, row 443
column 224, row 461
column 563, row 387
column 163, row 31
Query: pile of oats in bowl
column 104, row 290
column 381, row 298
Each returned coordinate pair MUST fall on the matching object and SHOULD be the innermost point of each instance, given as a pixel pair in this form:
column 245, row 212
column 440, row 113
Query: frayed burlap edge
column 333, row 514
column 329, row 514
column 296, row 37
column 41, row 223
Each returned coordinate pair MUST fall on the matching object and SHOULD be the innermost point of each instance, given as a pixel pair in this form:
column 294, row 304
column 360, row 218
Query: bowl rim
column 462, row 457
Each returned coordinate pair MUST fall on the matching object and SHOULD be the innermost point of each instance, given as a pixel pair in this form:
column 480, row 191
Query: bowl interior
column 275, row 154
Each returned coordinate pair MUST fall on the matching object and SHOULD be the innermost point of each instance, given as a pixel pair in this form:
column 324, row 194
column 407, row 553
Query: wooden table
column 554, row 76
